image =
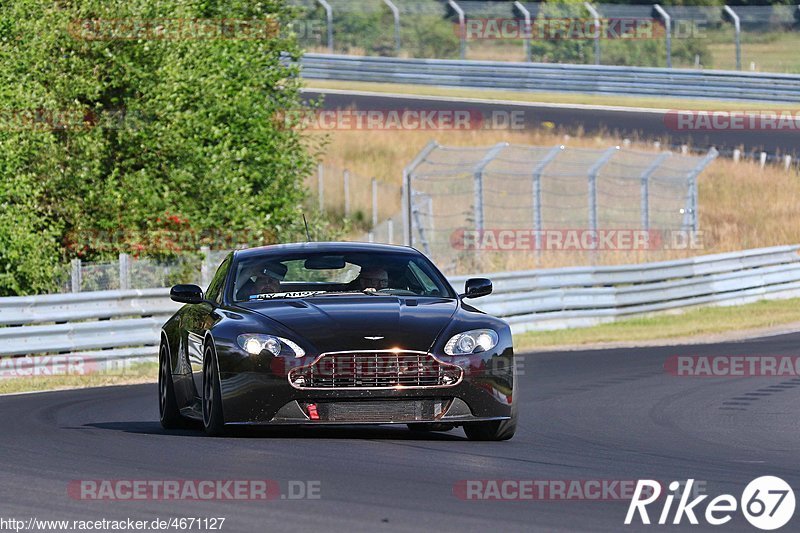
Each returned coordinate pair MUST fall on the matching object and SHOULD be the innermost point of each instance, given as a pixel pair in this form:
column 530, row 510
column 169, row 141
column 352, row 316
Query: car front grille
column 375, row 370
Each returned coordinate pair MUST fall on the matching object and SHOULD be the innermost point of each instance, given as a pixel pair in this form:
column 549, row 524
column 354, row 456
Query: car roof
column 333, row 247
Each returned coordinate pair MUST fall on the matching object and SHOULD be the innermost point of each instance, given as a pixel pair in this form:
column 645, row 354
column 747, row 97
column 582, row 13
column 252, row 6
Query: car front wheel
column 494, row 430
column 213, row 422
column 170, row 415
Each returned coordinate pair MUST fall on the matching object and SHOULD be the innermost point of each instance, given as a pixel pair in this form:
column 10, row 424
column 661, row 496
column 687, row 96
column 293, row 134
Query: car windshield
column 308, row 274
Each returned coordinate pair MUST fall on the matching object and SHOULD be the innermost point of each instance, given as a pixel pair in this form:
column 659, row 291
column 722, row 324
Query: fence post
column 596, row 16
column 737, row 25
column 478, row 183
column 537, row 193
column 787, row 162
column 374, row 202
column 396, row 15
column 346, row 178
column 668, row 27
column 205, row 266
column 321, row 186
column 124, row 272
column 690, row 216
column 423, row 238
column 329, row 16
column 528, row 29
column 645, row 178
column 390, row 231
column 406, row 192
column 462, row 27
column 737, row 154
column 76, row 275
column 763, row 159
column 593, row 172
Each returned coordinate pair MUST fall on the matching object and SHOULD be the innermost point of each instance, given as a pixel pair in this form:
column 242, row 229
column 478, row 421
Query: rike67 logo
column 767, row 503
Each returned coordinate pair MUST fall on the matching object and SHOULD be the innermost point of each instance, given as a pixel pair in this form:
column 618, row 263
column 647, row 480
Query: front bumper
column 266, row 397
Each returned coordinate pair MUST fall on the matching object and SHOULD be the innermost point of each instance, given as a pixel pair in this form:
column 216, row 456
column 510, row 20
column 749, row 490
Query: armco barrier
column 592, row 79
column 112, row 325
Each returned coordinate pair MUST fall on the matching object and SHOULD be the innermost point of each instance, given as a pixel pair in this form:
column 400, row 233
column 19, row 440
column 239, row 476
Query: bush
column 431, row 36
column 181, row 126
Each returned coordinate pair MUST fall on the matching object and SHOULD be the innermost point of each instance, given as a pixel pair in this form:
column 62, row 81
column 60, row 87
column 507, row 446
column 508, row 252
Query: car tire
column 169, row 414
column 494, row 430
column 213, row 421
column 430, row 426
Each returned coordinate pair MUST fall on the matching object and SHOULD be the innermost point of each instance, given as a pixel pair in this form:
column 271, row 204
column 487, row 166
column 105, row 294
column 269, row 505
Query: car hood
column 342, row 323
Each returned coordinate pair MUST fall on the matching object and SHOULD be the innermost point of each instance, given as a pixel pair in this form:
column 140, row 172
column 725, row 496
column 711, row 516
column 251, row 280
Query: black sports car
column 336, row 333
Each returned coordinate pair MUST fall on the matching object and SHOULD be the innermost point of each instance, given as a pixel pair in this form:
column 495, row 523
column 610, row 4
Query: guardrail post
column 124, row 272
column 668, row 27
column 528, row 29
column 462, row 26
column 537, row 193
column 737, row 26
column 321, row 186
column 593, row 172
column 478, row 181
column 396, row 15
column 596, row 16
column 329, row 15
column 75, row 277
column 205, row 266
column 646, row 175
column 408, row 237
column 374, row 202
column 390, row 231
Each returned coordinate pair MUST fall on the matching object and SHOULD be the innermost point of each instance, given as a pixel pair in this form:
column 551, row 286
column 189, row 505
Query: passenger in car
column 263, row 279
column 373, row 278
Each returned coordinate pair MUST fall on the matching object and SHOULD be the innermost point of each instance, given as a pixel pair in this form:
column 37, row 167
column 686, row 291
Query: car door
column 199, row 319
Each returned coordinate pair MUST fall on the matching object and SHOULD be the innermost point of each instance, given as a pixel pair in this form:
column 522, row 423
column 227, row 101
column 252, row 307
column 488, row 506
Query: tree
column 117, row 114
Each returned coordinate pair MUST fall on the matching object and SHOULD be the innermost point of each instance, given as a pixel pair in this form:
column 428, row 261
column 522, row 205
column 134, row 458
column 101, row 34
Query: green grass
column 773, row 52
column 549, row 97
column 692, row 323
column 137, row 373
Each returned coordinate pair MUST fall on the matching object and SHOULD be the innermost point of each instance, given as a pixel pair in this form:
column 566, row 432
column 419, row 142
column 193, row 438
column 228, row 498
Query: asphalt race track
column 604, row 415
column 642, row 124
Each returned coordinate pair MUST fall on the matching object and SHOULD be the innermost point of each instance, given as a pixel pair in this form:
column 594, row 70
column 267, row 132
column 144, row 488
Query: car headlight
column 473, row 341
column 255, row 343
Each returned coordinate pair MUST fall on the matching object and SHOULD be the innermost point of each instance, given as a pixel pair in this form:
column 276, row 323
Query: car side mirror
column 477, row 287
column 186, row 294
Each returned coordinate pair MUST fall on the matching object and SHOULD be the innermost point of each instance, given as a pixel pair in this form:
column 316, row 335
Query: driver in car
column 263, row 279
column 373, row 279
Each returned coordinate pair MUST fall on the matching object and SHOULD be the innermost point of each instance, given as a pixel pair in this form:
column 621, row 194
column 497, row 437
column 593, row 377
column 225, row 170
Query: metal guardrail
column 119, row 325
column 97, row 305
column 583, row 296
column 592, row 79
